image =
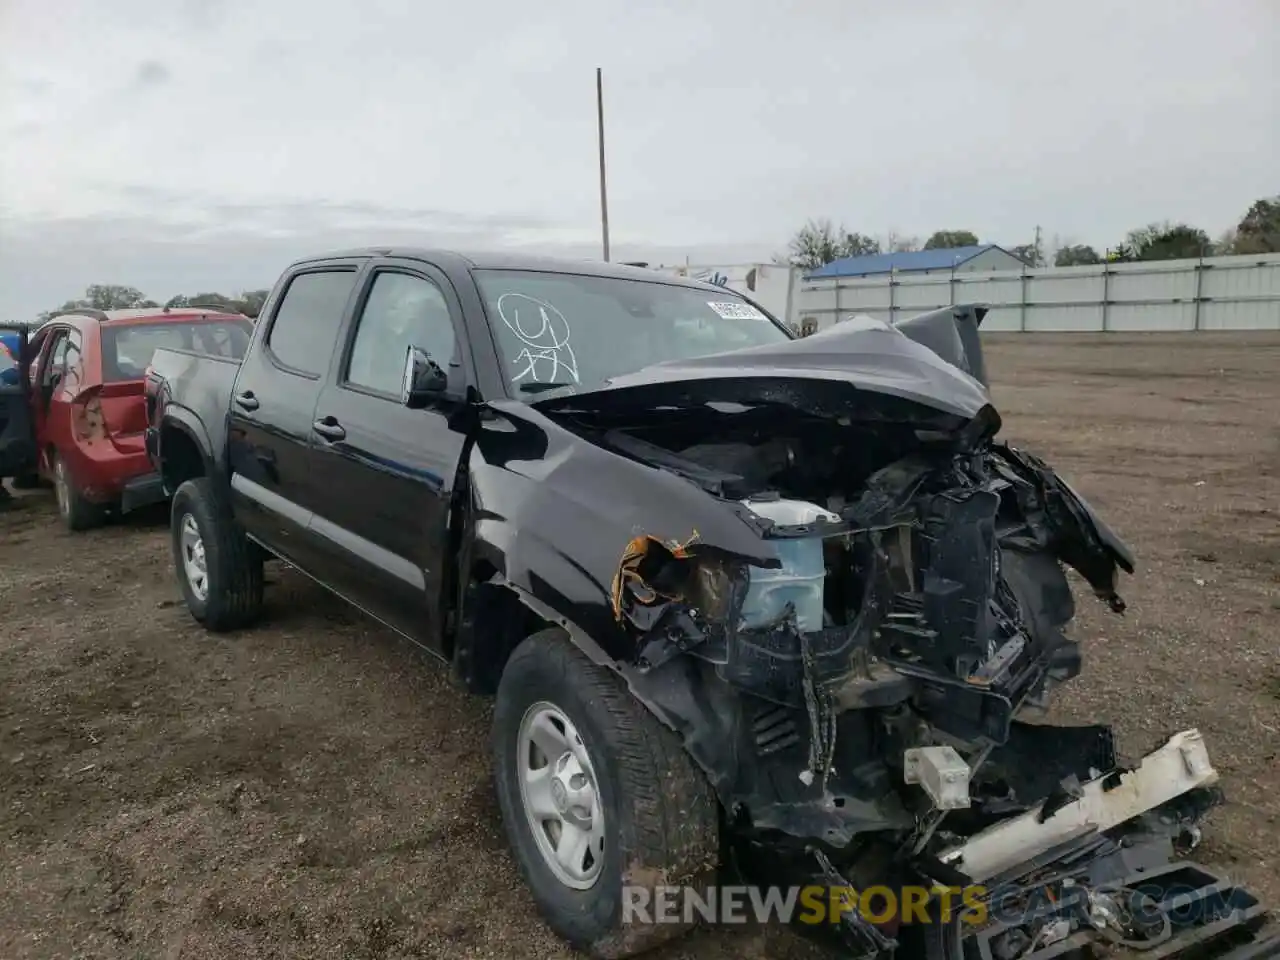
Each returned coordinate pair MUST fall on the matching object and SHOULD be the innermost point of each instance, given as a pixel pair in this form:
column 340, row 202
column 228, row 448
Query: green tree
column 109, row 296
column 1259, row 229
column 1076, row 255
column 249, row 303
column 859, row 245
column 104, row 296
column 1168, row 241
column 210, row 300
column 949, row 239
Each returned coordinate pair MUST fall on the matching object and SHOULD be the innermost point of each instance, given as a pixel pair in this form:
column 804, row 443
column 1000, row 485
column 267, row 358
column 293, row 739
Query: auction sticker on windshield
column 735, row 311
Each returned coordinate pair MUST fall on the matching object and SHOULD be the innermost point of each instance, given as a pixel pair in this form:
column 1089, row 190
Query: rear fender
column 174, row 470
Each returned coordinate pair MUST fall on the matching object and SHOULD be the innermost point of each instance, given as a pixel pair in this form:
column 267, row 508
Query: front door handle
column 329, row 428
column 247, row 400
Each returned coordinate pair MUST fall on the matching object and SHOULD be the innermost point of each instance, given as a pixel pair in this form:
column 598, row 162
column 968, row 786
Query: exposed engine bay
column 859, row 692
column 918, row 596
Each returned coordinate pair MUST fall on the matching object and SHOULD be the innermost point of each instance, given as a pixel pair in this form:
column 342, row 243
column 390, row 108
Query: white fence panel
column 929, row 294
column 1217, row 293
column 1063, row 318
column 1003, row 319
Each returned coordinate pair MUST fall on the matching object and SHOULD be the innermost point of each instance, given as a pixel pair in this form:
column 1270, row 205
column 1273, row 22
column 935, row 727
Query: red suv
column 85, row 380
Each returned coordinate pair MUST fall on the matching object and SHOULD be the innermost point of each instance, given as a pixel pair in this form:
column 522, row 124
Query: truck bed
column 193, row 389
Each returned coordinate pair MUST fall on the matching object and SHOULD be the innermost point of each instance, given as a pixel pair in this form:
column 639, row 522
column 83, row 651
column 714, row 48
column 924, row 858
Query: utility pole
column 604, row 192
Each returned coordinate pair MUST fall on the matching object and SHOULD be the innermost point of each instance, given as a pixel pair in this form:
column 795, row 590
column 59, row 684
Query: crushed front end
column 859, row 690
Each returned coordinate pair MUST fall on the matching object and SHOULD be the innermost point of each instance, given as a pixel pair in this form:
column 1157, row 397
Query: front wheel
column 218, row 569
column 600, row 801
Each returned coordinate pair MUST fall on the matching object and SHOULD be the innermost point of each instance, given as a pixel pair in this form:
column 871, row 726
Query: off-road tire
column 77, row 513
column 234, row 567
column 941, row 938
column 661, row 816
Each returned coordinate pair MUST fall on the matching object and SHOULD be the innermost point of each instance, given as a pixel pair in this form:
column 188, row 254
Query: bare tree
column 818, row 243
column 900, row 243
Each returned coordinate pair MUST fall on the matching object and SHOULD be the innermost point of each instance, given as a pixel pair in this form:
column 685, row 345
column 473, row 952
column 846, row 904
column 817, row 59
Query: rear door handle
column 247, row 400
column 329, row 428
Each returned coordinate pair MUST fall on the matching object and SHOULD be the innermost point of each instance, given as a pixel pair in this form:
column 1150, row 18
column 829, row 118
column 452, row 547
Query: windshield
column 558, row 330
column 127, row 350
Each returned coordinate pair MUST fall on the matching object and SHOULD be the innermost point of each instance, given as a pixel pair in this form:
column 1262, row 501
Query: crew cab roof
column 507, row 260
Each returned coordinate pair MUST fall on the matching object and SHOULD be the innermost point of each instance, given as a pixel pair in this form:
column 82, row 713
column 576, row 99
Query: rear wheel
column 596, row 794
column 76, row 512
column 219, row 570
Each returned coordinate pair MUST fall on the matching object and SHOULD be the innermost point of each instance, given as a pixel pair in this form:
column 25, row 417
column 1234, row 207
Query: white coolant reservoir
column 799, row 580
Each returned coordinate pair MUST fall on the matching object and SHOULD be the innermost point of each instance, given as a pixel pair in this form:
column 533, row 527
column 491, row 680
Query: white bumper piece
column 1179, row 766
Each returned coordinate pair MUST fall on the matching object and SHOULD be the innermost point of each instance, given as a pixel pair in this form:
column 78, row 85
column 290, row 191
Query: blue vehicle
column 17, row 452
column 10, row 357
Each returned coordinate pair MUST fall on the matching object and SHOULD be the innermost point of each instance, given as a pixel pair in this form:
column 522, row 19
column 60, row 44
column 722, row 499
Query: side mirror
column 424, row 379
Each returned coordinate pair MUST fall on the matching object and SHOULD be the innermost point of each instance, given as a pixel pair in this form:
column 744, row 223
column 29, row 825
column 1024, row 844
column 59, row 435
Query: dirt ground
column 313, row 788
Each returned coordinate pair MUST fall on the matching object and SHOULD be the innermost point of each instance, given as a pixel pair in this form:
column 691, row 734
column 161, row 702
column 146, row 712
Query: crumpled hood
column 865, row 354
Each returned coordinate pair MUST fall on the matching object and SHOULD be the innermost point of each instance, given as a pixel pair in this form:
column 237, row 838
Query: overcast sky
column 188, row 145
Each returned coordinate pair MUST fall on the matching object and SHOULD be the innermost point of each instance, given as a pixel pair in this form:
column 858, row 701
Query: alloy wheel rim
column 560, row 796
column 60, row 488
column 194, row 565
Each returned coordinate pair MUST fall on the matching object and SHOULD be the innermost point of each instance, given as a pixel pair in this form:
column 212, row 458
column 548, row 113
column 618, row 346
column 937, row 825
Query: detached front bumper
column 1097, row 866
column 1101, row 804
column 1096, row 894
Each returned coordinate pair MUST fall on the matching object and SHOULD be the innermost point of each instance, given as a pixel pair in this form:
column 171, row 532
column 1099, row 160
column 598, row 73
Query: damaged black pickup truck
column 752, row 607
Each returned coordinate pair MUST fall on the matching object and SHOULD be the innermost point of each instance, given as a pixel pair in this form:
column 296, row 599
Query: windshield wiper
column 541, row 387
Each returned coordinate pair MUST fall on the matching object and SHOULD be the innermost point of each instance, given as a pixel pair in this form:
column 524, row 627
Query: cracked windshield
column 569, row 332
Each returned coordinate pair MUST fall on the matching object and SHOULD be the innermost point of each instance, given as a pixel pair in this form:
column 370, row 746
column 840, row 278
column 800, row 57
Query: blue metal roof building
column 985, row 256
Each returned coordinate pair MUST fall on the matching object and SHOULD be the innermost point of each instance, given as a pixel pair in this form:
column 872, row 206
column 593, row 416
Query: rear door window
column 305, row 327
column 127, row 349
